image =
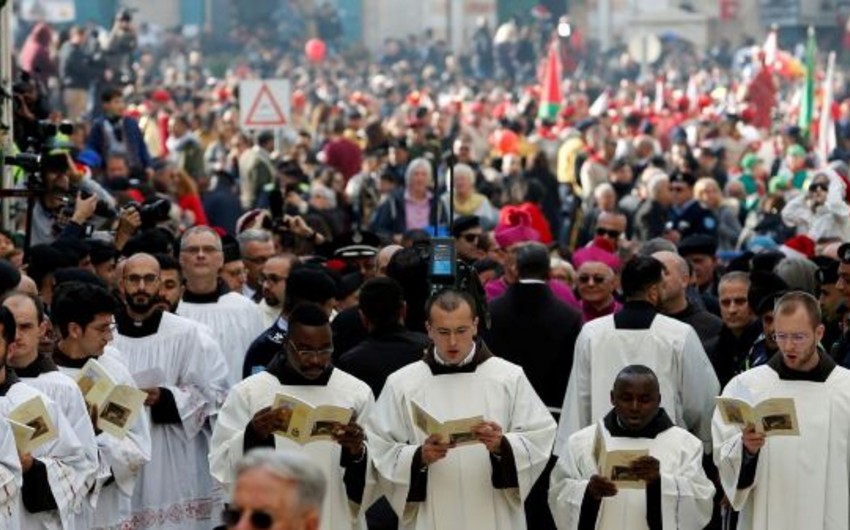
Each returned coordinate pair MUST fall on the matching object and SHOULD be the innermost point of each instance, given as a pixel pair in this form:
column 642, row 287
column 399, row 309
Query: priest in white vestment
column 82, row 316
column 673, row 490
column 638, row 334
column 40, row 372
column 171, row 361
column 433, row 484
column 790, row 482
column 54, row 482
column 235, row 320
column 302, row 370
column 11, row 480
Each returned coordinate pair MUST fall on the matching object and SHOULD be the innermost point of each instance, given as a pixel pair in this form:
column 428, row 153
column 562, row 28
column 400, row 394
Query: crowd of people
column 428, row 303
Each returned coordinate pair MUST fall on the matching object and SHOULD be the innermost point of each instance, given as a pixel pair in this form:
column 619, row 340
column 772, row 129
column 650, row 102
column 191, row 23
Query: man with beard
column 790, row 482
column 674, row 490
column 170, row 283
column 185, row 379
column 55, row 475
column 82, row 315
column 234, row 320
column 41, row 373
column 301, row 370
column 272, row 278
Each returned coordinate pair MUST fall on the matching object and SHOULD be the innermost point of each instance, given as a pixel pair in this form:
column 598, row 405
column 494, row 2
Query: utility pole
column 6, row 44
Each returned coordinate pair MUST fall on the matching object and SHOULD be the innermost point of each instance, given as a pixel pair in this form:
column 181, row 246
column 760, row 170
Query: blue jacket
column 137, row 150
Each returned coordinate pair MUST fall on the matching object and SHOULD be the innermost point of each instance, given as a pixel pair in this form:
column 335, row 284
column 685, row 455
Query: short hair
column 79, row 303
column 449, row 300
column 307, row 314
column 291, row 466
column 639, row 275
column 532, row 261
column 657, row 244
column 10, row 327
column 653, row 187
column 735, row 276
column 381, row 301
column 788, row 303
column 265, row 137
column 416, row 164
column 636, row 369
column 461, row 170
column 167, row 262
column 36, row 301
column 605, row 187
column 110, row 93
column 258, row 235
column 202, row 229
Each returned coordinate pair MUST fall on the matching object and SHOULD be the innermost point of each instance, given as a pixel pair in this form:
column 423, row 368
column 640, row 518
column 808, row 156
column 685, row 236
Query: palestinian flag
column 807, row 103
column 550, row 95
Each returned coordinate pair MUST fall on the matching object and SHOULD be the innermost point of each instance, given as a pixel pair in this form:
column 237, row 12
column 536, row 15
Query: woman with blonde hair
column 707, row 192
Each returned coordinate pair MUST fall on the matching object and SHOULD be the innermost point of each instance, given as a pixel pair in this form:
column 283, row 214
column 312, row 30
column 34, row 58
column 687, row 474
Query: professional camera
column 152, row 213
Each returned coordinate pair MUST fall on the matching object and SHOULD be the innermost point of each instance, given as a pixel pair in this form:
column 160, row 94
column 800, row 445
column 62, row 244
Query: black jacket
column 381, row 354
column 707, row 326
column 264, row 348
column 650, row 220
column 532, row 328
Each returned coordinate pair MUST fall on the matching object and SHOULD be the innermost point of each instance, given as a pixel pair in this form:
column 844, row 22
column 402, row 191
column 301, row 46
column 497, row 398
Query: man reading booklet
column 790, row 482
column 303, row 403
column 634, row 469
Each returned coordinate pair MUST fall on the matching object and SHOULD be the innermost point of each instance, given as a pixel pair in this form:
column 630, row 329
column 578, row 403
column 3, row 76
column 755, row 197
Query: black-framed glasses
column 605, row 232
column 471, row 238
column 587, row 278
column 815, row 186
column 259, row 519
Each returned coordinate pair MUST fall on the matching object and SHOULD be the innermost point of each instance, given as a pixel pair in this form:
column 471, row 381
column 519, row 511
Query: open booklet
column 616, row 464
column 306, row 423
column 773, row 417
column 117, row 405
column 31, row 425
column 458, row 431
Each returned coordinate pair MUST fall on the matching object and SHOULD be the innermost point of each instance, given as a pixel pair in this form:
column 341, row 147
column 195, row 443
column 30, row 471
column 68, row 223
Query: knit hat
column 517, row 230
column 799, row 246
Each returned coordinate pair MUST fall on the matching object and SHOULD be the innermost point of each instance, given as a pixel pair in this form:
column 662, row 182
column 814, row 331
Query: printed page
column 33, row 414
column 94, row 383
column 735, row 411
column 324, row 418
column 296, row 414
column 777, row 417
column 423, row 421
column 23, row 436
column 459, row 432
column 119, row 411
column 617, row 467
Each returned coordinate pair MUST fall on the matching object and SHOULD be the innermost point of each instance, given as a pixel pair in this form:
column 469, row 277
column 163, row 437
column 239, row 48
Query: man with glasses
column 597, row 281
column 273, row 286
column 185, row 377
column 276, row 490
column 689, row 216
column 234, row 320
column 82, row 315
column 256, row 246
column 302, row 370
column 640, row 334
column 611, row 226
column 467, row 233
column 790, row 482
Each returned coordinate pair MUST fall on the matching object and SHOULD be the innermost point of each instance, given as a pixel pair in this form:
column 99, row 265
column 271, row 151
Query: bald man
column 184, row 375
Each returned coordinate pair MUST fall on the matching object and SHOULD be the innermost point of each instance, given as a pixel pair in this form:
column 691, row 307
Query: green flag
column 807, row 102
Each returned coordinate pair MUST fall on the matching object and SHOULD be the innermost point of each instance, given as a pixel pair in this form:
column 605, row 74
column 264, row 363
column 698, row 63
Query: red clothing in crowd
column 192, row 203
column 345, row 156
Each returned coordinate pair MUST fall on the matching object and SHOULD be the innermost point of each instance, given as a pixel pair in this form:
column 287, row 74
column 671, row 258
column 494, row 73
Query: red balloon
column 315, row 50
column 508, row 142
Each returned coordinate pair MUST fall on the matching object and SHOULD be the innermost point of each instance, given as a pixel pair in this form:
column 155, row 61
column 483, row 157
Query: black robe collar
column 660, row 423
column 42, row 364
column 11, row 379
column 286, row 375
column 64, row 361
column 818, row 375
column 482, row 353
column 636, row 314
column 136, row 330
column 208, row 298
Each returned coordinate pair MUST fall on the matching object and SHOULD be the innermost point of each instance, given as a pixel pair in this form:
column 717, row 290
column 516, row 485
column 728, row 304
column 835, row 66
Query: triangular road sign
column 265, row 111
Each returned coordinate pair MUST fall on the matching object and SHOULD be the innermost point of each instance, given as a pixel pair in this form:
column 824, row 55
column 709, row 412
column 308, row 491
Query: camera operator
column 51, row 218
column 76, row 71
column 30, row 107
column 120, row 45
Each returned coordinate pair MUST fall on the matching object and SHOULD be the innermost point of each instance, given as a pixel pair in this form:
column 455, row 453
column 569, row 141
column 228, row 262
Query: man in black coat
column 534, row 329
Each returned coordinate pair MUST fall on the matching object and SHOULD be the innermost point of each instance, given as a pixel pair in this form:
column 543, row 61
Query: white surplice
column 460, row 494
column 687, row 496
column 68, row 468
column 235, row 322
column 270, row 313
column 122, row 458
column 11, row 480
column 801, row 482
column 258, row 392
column 670, row 348
column 175, row 490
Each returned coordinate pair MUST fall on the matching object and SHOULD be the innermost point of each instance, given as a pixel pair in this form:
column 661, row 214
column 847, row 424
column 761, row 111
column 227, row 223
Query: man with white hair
column 276, row 487
column 255, row 246
column 654, row 212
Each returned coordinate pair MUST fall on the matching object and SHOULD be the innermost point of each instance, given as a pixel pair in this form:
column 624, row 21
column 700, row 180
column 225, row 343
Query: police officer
column 689, row 216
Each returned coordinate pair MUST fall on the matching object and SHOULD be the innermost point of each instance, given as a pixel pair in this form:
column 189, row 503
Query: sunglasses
column 613, row 234
column 586, row 278
column 259, row 519
column 818, row 186
column 470, row 238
